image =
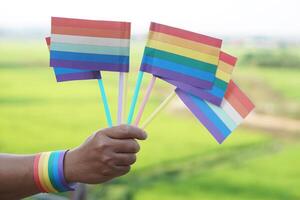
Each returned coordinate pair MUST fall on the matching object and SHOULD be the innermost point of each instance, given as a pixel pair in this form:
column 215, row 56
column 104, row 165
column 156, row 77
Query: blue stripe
column 62, row 70
column 62, row 188
column 60, row 55
column 179, row 68
column 217, row 92
column 211, row 115
column 223, row 116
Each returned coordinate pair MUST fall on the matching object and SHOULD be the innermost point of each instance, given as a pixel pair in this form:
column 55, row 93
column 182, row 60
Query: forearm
column 107, row 154
column 16, row 176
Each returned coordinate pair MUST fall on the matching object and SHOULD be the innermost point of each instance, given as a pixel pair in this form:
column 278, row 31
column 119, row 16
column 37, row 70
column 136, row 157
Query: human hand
column 106, row 154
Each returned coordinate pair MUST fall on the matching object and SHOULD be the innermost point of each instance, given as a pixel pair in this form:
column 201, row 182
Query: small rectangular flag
column 90, row 44
column 181, row 55
column 219, row 121
column 216, row 94
column 68, row 74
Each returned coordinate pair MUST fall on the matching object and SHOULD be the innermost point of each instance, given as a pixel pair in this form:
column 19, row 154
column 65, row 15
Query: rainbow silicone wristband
column 45, row 174
column 48, row 172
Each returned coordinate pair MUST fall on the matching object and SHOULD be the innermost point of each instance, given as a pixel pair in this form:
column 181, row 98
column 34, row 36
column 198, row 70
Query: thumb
column 126, row 132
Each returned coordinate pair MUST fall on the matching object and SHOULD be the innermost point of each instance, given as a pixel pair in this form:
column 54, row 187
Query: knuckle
column 106, row 158
column 98, row 134
column 104, row 144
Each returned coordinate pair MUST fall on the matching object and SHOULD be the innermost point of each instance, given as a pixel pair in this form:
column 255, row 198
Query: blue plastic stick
column 105, row 103
column 135, row 96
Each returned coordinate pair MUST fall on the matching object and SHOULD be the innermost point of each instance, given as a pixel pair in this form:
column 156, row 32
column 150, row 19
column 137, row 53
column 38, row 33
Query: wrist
column 69, row 166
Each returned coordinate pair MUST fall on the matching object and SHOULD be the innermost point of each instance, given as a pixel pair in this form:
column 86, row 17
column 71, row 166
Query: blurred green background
column 180, row 159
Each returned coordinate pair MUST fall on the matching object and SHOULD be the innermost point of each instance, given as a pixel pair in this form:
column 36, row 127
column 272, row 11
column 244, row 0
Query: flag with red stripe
column 90, row 44
column 181, row 55
column 220, row 121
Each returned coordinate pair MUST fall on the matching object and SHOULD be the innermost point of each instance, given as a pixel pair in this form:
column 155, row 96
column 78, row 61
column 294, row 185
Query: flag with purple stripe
column 90, row 44
column 68, row 74
column 221, row 120
column 181, row 55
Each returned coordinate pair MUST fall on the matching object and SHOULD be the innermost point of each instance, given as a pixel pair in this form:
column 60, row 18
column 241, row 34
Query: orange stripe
column 225, row 67
column 90, row 32
column 189, row 44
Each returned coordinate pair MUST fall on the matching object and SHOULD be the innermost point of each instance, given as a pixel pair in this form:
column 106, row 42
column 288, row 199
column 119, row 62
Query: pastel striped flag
column 181, row 55
column 219, row 121
column 90, row 44
column 216, row 94
column 68, row 74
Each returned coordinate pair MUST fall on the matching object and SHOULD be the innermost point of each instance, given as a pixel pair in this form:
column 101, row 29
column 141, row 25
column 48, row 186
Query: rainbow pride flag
column 219, row 121
column 90, row 44
column 216, row 94
column 181, row 55
column 68, row 74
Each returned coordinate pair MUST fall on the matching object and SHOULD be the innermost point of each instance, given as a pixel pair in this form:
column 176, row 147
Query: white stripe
column 72, row 39
column 223, row 116
column 232, row 113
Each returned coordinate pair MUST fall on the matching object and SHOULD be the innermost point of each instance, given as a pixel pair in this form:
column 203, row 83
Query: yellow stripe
column 225, row 67
column 189, row 44
column 45, row 176
column 223, row 76
column 40, row 172
column 183, row 52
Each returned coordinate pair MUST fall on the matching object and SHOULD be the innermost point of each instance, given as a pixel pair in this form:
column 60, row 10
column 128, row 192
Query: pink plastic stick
column 120, row 98
column 144, row 102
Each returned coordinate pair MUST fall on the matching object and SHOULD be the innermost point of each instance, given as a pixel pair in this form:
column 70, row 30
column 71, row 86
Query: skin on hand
column 106, row 154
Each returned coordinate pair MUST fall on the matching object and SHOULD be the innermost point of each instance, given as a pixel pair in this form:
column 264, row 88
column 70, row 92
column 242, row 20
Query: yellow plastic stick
column 158, row 109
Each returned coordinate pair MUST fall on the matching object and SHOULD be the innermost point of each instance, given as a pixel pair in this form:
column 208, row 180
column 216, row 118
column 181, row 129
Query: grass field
column 179, row 160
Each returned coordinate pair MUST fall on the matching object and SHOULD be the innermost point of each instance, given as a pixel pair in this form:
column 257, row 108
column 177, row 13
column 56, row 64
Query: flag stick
column 125, row 97
column 158, row 109
column 105, row 103
column 120, row 98
column 145, row 100
column 135, row 96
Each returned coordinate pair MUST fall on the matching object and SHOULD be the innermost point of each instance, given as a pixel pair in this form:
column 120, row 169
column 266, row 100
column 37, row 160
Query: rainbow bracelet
column 48, row 172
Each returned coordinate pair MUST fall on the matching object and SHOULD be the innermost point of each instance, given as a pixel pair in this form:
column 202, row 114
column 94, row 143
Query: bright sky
column 231, row 17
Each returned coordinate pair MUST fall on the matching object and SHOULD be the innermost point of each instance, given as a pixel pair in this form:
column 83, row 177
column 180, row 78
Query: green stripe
column 180, row 60
column 92, row 49
column 220, row 84
column 50, row 172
